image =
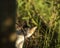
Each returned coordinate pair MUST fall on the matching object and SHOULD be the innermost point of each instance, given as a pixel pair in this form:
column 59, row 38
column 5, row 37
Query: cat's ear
column 31, row 31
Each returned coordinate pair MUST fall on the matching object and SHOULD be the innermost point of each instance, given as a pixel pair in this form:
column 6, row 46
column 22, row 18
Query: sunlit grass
column 45, row 15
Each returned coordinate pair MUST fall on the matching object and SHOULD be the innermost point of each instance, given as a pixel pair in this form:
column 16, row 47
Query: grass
column 45, row 15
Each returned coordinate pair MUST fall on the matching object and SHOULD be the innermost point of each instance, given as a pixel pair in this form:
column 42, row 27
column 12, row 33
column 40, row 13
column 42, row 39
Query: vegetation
column 45, row 14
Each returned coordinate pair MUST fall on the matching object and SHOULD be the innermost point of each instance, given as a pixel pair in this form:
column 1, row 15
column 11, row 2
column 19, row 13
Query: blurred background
column 45, row 14
column 7, row 23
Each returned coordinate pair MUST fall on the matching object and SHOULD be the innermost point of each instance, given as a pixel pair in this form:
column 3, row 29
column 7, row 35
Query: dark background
column 7, row 10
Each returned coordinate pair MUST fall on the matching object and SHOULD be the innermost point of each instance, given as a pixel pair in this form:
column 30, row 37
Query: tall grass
column 45, row 14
